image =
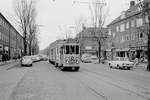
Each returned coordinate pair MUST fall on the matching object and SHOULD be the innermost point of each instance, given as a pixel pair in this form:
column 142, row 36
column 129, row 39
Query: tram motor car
column 65, row 54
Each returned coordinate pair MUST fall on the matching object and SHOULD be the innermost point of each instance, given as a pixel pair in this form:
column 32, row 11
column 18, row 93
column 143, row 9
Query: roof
column 87, row 32
column 128, row 13
column 9, row 23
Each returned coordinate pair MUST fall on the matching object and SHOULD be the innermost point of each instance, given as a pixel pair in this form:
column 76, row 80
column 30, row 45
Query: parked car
column 35, row 58
column 43, row 57
column 26, row 61
column 121, row 63
column 102, row 60
column 86, row 58
column 94, row 59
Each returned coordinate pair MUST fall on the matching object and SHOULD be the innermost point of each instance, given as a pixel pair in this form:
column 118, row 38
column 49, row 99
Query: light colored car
column 121, row 63
column 35, row 58
column 26, row 61
column 86, row 58
column 94, row 59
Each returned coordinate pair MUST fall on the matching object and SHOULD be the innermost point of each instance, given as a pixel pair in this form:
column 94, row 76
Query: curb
column 2, row 64
column 13, row 66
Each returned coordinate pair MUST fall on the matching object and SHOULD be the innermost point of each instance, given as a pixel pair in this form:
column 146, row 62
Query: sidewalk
column 141, row 66
column 7, row 62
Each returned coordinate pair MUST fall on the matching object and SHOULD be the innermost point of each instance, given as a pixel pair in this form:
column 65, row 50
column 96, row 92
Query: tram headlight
column 67, row 60
column 77, row 60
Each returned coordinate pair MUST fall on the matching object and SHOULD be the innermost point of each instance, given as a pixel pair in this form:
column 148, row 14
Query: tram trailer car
column 65, row 54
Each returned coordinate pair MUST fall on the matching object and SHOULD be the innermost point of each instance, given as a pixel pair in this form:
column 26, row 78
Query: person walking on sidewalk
column 136, row 62
column 4, row 57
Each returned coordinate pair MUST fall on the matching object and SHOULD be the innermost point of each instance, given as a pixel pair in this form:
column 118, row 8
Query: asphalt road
column 43, row 81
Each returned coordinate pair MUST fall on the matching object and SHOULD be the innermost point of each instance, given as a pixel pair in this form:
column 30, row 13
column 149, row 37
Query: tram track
column 117, row 85
column 98, row 93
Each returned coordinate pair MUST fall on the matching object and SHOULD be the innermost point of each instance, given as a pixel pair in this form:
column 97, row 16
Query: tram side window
column 77, row 49
column 67, row 49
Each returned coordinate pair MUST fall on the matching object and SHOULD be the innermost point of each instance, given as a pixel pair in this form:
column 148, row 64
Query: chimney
column 132, row 3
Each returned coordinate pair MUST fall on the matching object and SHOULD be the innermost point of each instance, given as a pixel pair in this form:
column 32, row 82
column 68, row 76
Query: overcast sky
column 58, row 16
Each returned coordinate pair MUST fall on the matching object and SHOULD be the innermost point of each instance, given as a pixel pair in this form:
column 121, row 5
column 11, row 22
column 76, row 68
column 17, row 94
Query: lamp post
column 145, row 10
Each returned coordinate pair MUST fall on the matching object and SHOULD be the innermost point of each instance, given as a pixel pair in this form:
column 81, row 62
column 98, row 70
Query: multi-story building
column 127, row 39
column 88, row 39
column 11, row 42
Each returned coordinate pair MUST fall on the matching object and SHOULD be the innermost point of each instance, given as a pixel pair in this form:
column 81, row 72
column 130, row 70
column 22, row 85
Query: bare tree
column 79, row 23
column 35, row 46
column 26, row 13
column 98, row 15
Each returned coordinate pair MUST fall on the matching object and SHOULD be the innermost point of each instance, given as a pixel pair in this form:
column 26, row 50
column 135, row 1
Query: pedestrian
column 2, row 57
column 136, row 62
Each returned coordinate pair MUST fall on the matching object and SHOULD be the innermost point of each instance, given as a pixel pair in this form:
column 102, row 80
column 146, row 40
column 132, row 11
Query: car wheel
column 118, row 67
column 128, row 68
column 56, row 64
column 76, row 68
column 110, row 65
column 62, row 68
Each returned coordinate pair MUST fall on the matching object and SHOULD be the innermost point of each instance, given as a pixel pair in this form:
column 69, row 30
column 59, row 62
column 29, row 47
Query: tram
column 65, row 54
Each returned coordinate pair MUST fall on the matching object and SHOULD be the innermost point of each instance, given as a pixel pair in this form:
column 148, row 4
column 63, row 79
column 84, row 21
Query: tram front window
column 77, row 49
column 72, row 49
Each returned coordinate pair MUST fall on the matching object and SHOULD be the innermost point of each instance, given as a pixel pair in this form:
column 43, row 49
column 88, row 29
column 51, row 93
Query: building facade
column 88, row 39
column 127, row 38
column 11, row 42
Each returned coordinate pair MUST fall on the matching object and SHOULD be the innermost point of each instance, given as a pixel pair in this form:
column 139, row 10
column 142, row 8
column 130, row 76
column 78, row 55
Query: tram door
column 61, row 55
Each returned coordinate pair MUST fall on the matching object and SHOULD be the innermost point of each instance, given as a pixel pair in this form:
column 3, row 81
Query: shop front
column 1, row 51
column 138, row 52
column 125, row 52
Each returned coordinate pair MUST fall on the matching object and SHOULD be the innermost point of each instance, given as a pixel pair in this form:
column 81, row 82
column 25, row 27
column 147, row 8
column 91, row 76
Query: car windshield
column 26, row 57
column 121, row 59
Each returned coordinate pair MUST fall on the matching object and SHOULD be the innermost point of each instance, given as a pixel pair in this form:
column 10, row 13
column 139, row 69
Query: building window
column 146, row 19
column 122, row 39
column 127, row 38
column 114, row 34
column 139, row 22
column 132, row 36
column 141, row 36
column 122, row 27
column 117, row 28
column 0, row 35
column 132, row 23
column 109, row 32
column 1, row 21
column 127, row 25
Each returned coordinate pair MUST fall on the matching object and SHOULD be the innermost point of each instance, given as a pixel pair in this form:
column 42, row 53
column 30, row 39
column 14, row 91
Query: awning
column 124, row 49
column 108, row 49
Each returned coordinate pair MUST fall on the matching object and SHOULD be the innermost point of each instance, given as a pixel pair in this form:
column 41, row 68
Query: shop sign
column 88, row 47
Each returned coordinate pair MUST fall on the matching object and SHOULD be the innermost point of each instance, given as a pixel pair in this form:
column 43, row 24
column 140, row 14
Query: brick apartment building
column 88, row 40
column 127, row 40
column 11, row 42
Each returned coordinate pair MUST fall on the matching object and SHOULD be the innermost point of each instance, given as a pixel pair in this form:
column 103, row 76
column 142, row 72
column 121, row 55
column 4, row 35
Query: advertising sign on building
column 88, row 47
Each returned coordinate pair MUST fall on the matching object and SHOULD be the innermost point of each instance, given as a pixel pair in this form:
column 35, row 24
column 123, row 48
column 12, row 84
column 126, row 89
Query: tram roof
column 64, row 41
